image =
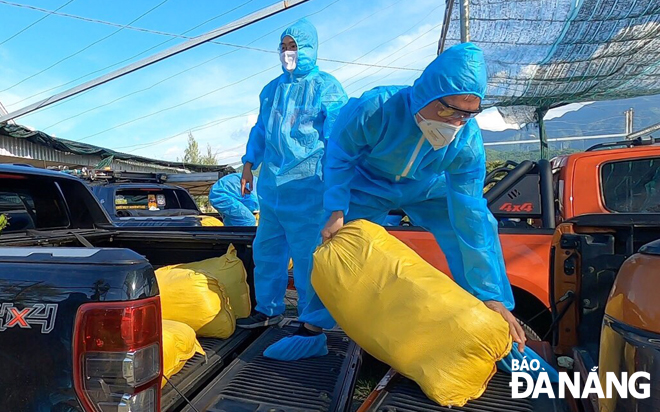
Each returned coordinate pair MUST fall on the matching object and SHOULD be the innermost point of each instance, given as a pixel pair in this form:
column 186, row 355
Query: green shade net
column 547, row 53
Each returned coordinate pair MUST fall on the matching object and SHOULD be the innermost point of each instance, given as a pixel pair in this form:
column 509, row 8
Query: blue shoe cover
column 298, row 347
column 528, row 355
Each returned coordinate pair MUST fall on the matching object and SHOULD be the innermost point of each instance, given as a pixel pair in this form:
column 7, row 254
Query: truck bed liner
column 254, row 383
column 198, row 370
column 403, row 395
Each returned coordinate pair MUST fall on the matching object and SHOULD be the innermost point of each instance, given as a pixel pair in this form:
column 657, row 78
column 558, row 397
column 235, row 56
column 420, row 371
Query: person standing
column 297, row 112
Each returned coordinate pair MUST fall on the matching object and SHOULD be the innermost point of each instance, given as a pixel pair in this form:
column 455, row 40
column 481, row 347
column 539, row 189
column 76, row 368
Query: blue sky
column 211, row 90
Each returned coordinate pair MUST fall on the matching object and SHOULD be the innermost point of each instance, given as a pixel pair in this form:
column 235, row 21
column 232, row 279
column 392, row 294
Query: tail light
column 117, row 363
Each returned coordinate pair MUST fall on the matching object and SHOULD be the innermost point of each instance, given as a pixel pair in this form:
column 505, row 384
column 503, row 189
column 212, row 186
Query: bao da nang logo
column 523, row 385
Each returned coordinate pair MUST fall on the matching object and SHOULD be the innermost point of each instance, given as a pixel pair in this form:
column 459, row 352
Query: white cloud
column 491, row 120
column 560, row 111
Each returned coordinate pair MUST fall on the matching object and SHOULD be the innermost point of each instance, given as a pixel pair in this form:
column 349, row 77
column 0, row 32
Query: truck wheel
column 529, row 332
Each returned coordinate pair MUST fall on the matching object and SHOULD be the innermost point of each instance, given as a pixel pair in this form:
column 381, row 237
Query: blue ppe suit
column 235, row 209
column 297, row 112
column 378, row 160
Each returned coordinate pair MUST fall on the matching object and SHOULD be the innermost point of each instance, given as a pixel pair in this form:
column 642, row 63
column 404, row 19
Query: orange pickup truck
column 534, row 197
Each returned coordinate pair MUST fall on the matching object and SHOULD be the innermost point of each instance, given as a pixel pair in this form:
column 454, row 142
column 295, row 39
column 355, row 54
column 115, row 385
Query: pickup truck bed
column 403, row 395
column 253, row 383
column 199, row 369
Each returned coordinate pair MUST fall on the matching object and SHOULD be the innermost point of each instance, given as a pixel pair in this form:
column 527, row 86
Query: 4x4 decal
column 39, row 314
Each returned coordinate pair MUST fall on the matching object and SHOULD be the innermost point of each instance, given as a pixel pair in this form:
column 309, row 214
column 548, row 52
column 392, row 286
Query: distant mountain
column 594, row 119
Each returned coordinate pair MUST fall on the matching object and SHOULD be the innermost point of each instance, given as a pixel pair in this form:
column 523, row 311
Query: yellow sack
column 196, row 299
column 409, row 315
column 179, row 345
column 229, row 271
column 210, row 221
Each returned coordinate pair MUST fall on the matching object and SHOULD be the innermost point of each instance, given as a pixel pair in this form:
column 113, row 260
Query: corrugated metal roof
column 40, row 149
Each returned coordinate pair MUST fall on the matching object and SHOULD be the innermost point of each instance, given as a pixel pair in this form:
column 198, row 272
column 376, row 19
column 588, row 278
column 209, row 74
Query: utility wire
column 205, row 62
column 238, row 46
column 379, row 10
column 387, row 41
column 245, row 47
column 115, row 64
column 193, row 129
column 177, row 105
column 182, row 35
column 35, row 22
column 84, row 48
column 366, row 86
column 120, row 62
column 390, row 55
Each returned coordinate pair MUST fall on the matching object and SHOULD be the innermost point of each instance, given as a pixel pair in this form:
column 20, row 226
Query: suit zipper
column 412, row 159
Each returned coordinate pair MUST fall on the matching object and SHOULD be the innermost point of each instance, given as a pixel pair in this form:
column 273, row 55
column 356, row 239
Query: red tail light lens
column 118, row 356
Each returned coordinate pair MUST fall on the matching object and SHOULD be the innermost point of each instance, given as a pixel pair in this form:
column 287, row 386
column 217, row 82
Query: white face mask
column 439, row 134
column 289, row 59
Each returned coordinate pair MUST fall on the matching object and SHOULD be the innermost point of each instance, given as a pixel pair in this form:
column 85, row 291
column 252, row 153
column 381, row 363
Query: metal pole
column 543, row 137
column 631, row 120
column 3, row 111
column 644, row 132
column 228, row 28
column 449, row 7
column 465, row 21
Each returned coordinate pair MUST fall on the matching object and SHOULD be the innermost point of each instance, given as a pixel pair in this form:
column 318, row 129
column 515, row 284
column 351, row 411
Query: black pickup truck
column 143, row 199
column 80, row 315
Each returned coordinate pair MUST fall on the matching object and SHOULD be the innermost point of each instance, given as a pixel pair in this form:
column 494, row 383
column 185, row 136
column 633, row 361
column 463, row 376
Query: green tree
column 192, row 154
column 209, row 158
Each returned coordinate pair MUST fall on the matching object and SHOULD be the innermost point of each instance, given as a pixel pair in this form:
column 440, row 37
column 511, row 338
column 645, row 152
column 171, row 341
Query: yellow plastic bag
column 196, row 299
column 210, row 221
column 179, row 345
column 409, row 315
column 229, row 271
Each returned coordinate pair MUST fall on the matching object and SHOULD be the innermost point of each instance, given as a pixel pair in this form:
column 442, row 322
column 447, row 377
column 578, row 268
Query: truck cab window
column 32, row 204
column 146, row 200
column 632, row 186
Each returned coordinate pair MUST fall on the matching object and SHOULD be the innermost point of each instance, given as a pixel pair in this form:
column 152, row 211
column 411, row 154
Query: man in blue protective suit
column 418, row 149
column 235, row 208
column 298, row 110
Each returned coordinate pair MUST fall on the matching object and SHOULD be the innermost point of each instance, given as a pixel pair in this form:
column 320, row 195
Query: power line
column 396, row 59
column 379, row 10
column 263, row 50
column 183, row 36
column 177, row 105
column 84, row 48
column 138, row 91
column 198, row 65
column 387, row 41
column 364, row 87
column 151, row 48
column 33, row 23
column 123, row 61
column 392, row 54
column 193, row 129
column 171, row 51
